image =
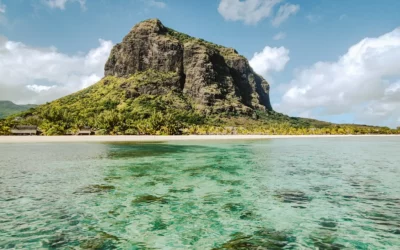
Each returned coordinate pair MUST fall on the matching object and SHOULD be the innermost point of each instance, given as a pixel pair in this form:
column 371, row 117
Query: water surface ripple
column 320, row 193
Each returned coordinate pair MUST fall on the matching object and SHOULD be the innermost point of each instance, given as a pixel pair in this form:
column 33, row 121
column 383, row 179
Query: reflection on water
column 333, row 193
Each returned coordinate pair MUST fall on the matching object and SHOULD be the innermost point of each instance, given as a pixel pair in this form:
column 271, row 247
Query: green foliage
column 287, row 129
column 125, row 106
column 183, row 38
column 55, row 130
column 115, row 106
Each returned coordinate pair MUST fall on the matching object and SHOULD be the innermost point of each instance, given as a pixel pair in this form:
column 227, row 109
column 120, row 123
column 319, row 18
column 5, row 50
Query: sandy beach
column 160, row 138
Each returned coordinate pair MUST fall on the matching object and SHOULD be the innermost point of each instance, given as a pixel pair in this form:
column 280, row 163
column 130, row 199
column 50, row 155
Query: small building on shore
column 24, row 130
column 85, row 131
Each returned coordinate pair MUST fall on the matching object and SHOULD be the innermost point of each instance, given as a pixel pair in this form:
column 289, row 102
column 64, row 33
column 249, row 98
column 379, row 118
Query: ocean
column 299, row 193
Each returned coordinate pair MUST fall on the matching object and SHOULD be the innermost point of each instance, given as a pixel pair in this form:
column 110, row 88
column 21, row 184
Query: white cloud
column 279, row 36
column 37, row 75
column 89, row 80
column 56, row 3
column 249, row 11
column 270, row 59
column 284, row 12
column 60, row 4
column 39, row 88
column 157, row 4
column 2, row 8
column 364, row 82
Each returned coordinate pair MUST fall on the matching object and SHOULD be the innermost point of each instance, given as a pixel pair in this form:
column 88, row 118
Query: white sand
column 155, row 138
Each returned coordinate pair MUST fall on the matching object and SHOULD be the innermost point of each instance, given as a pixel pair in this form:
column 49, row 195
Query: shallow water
column 326, row 193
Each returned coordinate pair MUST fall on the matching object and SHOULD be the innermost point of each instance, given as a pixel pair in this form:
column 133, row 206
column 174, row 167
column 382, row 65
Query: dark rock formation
column 216, row 79
column 145, row 47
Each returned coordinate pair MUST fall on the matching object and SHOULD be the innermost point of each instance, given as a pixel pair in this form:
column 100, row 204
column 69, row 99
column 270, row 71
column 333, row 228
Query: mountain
column 9, row 108
column 160, row 81
column 215, row 78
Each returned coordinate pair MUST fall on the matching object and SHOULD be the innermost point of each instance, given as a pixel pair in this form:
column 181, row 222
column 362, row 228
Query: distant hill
column 8, row 108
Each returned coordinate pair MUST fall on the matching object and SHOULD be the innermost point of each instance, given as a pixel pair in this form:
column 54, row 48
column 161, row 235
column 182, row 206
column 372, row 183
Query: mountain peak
column 214, row 77
column 149, row 26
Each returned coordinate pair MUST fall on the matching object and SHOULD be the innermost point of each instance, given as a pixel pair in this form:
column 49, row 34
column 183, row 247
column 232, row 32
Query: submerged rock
column 328, row 223
column 233, row 207
column 231, row 182
column 56, row 241
column 234, row 193
column 395, row 231
column 198, row 171
column 262, row 239
column 248, row 215
column 181, row 190
column 96, row 189
column 149, row 199
column 101, row 241
column 288, row 196
column 325, row 241
column 211, row 199
column 150, row 183
column 164, row 180
column 112, row 178
column 159, row 224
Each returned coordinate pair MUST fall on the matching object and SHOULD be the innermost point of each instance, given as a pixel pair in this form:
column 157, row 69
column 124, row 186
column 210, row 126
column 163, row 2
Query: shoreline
column 162, row 138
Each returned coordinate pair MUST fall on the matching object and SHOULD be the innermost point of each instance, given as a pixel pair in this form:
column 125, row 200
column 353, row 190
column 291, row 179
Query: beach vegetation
column 143, row 104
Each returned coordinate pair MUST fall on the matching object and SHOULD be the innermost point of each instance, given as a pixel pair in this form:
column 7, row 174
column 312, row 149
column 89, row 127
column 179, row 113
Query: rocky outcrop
column 145, row 47
column 216, row 79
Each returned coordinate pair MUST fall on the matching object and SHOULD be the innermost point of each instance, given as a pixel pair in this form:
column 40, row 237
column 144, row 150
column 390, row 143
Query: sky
column 333, row 60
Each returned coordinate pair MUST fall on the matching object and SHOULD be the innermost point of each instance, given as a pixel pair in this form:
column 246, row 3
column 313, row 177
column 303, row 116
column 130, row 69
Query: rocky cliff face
column 214, row 78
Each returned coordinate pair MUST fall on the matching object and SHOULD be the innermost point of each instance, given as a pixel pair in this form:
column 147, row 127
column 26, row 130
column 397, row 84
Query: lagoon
column 303, row 193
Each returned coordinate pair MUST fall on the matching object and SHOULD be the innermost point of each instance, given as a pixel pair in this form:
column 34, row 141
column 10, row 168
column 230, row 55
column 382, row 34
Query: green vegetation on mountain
column 8, row 108
column 159, row 81
column 126, row 106
column 115, row 106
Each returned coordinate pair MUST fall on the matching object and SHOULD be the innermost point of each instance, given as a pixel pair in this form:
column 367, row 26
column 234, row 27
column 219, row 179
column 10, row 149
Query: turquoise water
column 325, row 193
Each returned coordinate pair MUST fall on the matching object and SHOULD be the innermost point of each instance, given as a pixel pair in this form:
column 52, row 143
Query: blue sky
column 315, row 38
